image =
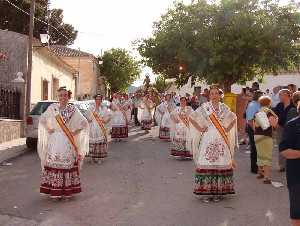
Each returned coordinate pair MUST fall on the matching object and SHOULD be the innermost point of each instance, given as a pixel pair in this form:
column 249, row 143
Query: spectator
column 282, row 110
column 242, row 102
column 290, row 149
column 188, row 99
column 275, row 96
column 292, row 113
column 292, row 88
column 255, row 86
column 252, row 108
column 263, row 139
column 194, row 102
column 136, row 102
column 206, row 94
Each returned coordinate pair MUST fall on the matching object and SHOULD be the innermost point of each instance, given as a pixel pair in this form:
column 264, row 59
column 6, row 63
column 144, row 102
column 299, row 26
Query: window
column 45, row 90
column 55, row 87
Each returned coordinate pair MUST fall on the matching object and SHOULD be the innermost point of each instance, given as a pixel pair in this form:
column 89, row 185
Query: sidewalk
column 12, row 149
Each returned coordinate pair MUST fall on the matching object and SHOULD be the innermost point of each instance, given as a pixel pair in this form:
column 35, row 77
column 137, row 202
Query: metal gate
column 9, row 103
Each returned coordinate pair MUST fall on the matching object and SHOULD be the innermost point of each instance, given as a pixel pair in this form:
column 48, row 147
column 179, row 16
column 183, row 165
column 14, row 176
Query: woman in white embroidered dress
column 119, row 120
column 180, row 130
column 214, row 133
column 98, row 116
column 164, row 110
column 63, row 142
column 127, row 106
column 146, row 109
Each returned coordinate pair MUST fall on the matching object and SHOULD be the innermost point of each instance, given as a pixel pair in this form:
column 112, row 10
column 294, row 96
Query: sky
column 105, row 24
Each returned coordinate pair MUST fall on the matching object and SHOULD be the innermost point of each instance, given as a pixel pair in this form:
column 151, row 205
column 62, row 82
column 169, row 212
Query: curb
column 12, row 150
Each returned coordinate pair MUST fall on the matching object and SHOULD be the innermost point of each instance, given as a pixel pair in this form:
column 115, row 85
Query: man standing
column 135, row 104
column 200, row 97
column 292, row 88
column 282, row 110
column 252, row 108
column 290, row 149
column 255, row 86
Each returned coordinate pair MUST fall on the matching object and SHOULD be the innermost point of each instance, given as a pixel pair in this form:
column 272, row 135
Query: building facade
column 49, row 71
column 89, row 80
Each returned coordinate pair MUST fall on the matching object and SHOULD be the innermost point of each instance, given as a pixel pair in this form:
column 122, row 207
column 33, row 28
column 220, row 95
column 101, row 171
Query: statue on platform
column 146, row 82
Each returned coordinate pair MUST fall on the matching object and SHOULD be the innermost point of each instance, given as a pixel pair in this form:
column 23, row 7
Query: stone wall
column 11, row 129
column 14, row 46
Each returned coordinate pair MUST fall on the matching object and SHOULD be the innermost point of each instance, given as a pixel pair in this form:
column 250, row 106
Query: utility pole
column 78, row 75
column 48, row 22
column 29, row 59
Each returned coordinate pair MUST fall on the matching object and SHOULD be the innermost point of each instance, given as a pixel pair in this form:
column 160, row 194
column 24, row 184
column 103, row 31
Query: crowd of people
column 199, row 127
column 266, row 119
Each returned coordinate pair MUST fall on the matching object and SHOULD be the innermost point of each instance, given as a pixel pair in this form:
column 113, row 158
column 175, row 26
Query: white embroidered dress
column 179, row 133
column 55, row 149
column 59, row 158
column 212, row 155
column 96, row 133
column 118, row 119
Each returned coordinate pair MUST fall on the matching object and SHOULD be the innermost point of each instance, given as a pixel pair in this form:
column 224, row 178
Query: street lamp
column 45, row 39
column 29, row 58
column 19, row 79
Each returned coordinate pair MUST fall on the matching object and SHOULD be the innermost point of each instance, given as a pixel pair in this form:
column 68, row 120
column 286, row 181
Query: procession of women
column 207, row 135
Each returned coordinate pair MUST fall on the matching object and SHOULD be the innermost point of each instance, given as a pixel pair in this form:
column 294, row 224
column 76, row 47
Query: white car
column 32, row 121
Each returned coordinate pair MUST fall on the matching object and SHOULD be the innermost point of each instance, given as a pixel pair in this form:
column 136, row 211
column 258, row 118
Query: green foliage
column 233, row 41
column 119, row 68
column 160, row 84
column 17, row 21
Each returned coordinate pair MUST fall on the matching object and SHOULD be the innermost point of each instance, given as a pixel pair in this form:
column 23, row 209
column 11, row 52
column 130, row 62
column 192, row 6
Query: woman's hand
column 273, row 121
column 176, row 120
column 203, row 129
column 233, row 164
column 227, row 130
column 76, row 132
column 50, row 131
column 79, row 158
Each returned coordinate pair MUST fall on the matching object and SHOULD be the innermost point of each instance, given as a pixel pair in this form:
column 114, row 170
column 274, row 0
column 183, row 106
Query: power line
column 39, row 20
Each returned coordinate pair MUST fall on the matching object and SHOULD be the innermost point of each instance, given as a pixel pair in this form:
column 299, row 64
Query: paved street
column 139, row 185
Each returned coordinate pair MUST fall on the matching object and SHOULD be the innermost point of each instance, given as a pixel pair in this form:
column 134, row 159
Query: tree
column 160, row 84
column 119, row 68
column 233, row 41
column 18, row 21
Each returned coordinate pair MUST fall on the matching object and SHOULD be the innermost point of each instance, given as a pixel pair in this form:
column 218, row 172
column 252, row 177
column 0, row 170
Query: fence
column 9, row 103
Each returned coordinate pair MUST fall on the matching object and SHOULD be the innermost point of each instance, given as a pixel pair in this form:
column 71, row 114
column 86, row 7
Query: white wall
column 43, row 68
column 269, row 82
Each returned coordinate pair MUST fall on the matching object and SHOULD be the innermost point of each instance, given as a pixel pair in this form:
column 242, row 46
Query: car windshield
column 40, row 108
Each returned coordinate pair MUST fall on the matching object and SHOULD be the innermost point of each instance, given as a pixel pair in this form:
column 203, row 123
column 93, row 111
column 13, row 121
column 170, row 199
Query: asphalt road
column 139, row 185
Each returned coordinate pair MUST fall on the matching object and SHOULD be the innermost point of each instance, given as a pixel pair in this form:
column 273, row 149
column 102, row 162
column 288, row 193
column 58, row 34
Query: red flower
column 3, row 56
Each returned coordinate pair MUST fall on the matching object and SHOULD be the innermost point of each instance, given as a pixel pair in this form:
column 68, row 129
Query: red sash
column 185, row 120
column 67, row 132
column 100, row 123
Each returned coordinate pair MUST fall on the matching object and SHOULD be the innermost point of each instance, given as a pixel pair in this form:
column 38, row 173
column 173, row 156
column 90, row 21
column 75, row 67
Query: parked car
column 32, row 121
